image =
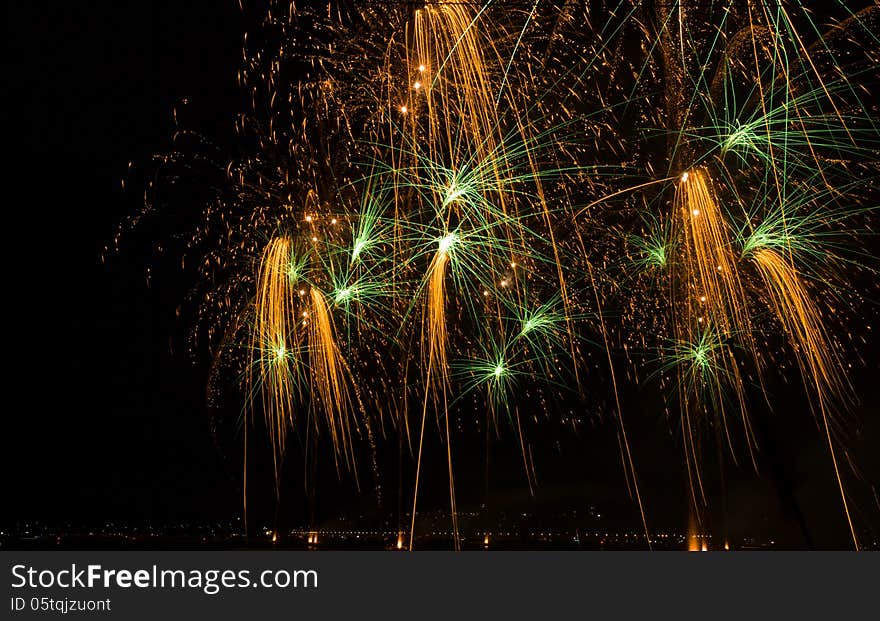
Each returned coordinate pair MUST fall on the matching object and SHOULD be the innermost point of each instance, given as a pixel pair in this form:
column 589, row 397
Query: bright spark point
column 308, row 218
column 422, row 68
column 417, row 85
column 499, row 371
column 684, row 177
column 446, row 243
column 342, row 295
column 280, row 352
column 403, row 109
column 696, row 212
column 314, row 239
column 453, row 193
column 333, row 221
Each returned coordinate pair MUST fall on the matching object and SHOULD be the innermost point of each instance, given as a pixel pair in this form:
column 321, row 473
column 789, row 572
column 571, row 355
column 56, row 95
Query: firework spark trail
column 436, row 336
column 714, row 291
column 709, row 299
column 437, row 372
column 330, row 378
column 819, row 364
column 448, row 54
column 274, row 345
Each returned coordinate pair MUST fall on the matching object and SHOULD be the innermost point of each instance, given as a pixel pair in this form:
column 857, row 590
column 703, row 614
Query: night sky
column 106, row 416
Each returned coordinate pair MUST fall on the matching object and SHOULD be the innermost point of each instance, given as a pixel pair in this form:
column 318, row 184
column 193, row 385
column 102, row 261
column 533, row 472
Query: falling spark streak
column 820, row 368
column 437, row 380
column 274, row 345
column 710, row 269
column 710, row 300
column 330, row 378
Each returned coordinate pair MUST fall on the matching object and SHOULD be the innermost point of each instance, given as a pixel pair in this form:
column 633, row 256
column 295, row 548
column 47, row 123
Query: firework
column 458, row 203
